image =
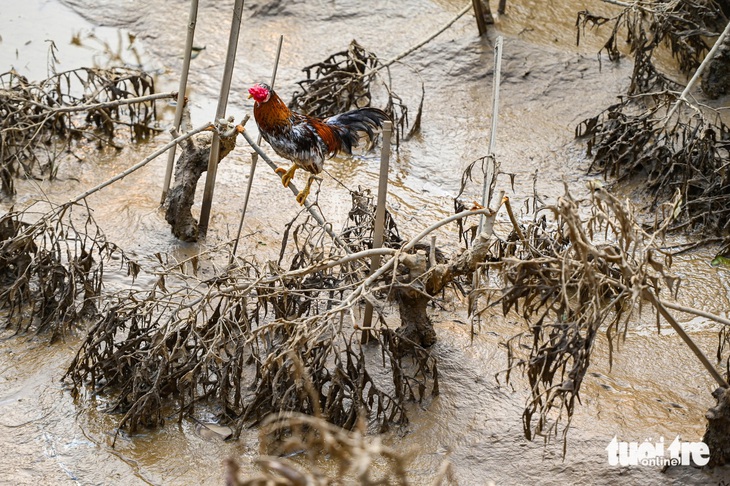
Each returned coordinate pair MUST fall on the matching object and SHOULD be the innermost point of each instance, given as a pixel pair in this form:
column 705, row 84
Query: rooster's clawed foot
column 286, row 175
column 302, row 196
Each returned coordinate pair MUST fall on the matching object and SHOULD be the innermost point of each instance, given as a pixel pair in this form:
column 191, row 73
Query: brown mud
column 655, row 387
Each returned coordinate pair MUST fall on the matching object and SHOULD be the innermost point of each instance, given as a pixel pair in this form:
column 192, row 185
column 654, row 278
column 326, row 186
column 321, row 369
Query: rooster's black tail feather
column 350, row 124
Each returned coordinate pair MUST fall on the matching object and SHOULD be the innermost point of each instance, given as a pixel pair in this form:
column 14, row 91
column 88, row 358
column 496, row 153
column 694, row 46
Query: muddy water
column 655, row 387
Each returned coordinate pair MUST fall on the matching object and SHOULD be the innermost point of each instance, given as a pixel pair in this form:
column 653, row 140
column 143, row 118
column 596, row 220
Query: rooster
column 305, row 140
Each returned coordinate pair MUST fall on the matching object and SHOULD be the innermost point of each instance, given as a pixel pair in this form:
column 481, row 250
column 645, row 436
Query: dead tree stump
column 416, row 326
column 419, row 280
column 189, row 167
column 717, row 435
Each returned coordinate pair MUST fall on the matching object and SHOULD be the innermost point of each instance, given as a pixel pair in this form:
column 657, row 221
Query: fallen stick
column 659, row 306
column 696, row 312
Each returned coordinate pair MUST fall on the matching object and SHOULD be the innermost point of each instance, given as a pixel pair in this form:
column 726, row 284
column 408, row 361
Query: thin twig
column 141, row 164
column 403, row 54
column 696, row 312
column 628, row 5
column 513, row 220
column 97, row 106
column 683, row 97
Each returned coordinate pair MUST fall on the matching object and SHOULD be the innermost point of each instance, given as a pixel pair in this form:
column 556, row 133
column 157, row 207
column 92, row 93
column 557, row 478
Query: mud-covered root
column 717, row 434
column 423, row 275
column 416, row 326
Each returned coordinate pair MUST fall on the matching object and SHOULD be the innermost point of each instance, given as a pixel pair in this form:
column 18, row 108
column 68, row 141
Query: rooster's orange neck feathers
column 271, row 113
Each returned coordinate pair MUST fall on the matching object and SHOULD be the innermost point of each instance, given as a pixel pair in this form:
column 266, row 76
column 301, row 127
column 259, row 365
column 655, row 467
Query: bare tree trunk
column 416, row 326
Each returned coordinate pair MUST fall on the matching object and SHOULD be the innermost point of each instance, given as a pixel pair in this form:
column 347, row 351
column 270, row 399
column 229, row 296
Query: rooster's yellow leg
column 302, row 196
column 286, row 175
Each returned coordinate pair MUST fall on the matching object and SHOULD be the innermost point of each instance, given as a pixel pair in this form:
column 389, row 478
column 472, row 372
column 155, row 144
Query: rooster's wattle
column 305, row 140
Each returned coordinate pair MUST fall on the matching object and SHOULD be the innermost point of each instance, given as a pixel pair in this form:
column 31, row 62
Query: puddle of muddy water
column 654, row 389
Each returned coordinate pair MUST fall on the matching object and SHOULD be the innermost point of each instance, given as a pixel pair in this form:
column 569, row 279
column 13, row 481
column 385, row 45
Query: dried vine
column 51, row 271
column 353, row 451
column 39, row 122
column 689, row 155
column 187, row 345
column 571, row 279
column 645, row 136
column 681, row 25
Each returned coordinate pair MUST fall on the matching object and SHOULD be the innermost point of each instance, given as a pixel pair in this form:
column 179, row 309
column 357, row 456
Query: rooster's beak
column 250, row 96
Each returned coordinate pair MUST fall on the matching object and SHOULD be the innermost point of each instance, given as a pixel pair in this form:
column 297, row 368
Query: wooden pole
column 493, row 131
column 220, row 113
column 255, row 158
column 479, row 14
column 502, row 7
column 192, row 20
column 379, row 228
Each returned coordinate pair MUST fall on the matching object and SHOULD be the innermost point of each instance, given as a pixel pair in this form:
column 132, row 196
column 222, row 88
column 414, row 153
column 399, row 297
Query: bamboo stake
column 192, row 20
column 379, row 228
column 310, row 207
column 220, row 113
column 479, row 14
column 493, row 131
column 254, row 159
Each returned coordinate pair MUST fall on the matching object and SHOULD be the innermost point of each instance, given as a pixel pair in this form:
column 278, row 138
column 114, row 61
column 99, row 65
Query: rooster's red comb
column 259, row 92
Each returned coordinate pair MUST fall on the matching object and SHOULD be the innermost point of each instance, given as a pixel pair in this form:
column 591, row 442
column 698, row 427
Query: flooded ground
column 655, row 388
